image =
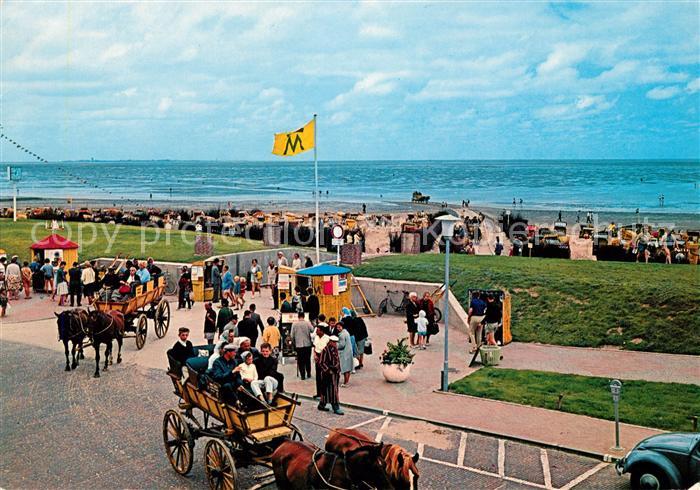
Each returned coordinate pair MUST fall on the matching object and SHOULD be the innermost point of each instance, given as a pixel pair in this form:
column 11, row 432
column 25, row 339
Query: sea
column 622, row 186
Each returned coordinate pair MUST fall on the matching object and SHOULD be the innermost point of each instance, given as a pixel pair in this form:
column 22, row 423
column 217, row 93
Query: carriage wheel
column 178, row 442
column 141, row 331
column 438, row 315
column 220, row 466
column 296, row 433
column 162, row 318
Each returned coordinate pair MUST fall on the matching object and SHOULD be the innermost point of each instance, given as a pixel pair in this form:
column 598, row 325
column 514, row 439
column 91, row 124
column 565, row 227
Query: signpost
column 616, row 389
column 337, row 234
column 14, row 174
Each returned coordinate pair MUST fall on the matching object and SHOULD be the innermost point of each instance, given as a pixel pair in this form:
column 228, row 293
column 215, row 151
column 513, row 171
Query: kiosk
column 53, row 247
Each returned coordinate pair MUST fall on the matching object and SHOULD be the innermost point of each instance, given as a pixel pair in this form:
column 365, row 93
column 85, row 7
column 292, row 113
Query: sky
column 388, row 80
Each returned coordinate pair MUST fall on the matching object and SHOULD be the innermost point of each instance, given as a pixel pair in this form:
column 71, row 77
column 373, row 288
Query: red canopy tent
column 54, row 246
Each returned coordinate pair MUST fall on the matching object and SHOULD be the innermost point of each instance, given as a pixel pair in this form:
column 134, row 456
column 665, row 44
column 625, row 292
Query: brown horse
column 101, row 328
column 300, row 465
column 400, row 465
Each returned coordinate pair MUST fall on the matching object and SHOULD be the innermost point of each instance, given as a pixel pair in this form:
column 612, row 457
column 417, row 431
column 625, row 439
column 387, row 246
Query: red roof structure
column 54, row 242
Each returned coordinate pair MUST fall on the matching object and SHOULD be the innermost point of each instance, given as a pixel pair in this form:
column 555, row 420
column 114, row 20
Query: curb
column 607, row 458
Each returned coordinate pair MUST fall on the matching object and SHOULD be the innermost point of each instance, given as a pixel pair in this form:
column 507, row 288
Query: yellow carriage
column 148, row 302
column 237, row 438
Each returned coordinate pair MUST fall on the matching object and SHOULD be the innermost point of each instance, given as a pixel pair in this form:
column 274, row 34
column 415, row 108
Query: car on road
column 663, row 461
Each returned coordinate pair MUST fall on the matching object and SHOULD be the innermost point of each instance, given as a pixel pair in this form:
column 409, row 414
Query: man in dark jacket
column 209, row 323
column 183, row 349
column 74, row 286
column 224, row 317
column 313, row 307
column 269, row 379
column 248, row 328
column 492, row 318
column 222, row 372
column 216, row 281
column 256, row 318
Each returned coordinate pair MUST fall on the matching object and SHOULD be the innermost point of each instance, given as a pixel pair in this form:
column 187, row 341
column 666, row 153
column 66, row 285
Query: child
column 422, row 325
column 241, row 297
column 247, row 369
column 236, row 291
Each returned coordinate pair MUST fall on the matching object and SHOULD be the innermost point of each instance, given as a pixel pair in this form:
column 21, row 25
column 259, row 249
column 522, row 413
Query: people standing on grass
column 301, row 334
column 184, row 288
column 216, row 280
column 411, row 315
column 255, row 277
column 475, row 317
column 209, row 323
column 27, row 280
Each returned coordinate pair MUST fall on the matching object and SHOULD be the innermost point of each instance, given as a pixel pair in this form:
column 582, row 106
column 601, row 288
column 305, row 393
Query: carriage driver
column 222, row 373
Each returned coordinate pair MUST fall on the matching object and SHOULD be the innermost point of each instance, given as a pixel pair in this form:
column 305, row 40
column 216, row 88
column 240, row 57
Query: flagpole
column 318, row 253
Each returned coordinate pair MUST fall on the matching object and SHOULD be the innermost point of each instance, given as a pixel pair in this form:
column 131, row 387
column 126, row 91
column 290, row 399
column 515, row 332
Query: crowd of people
column 116, row 282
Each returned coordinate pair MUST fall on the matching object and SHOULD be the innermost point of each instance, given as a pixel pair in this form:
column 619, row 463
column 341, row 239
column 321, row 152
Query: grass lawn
column 649, row 307
column 103, row 240
column 661, row 405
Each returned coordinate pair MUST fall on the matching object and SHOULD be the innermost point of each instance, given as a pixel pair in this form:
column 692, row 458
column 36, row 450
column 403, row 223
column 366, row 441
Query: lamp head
column 448, row 224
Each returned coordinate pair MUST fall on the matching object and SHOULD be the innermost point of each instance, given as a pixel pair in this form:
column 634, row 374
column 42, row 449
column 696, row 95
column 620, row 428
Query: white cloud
column 338, row 118
column 584, row 105
column 693, row 86
column 115, row 51
column 130, row 92
column 270, row 93
column 662, row 93
column 376, row 31
column 563, row 57
column 165, row 104
column 377, row 83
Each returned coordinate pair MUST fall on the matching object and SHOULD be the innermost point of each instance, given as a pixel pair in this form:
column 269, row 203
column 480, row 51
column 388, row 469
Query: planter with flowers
column 396, row 361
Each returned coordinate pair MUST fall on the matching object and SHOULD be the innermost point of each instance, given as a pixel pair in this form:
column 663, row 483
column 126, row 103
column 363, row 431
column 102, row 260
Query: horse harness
column 93, row 334
column 314, row 459
column 71, row 316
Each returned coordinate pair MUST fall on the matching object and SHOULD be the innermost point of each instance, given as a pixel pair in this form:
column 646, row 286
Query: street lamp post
column 448, row 225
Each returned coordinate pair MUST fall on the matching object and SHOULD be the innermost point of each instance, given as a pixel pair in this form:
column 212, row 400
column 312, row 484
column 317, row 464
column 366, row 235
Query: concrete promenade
column 418, row 396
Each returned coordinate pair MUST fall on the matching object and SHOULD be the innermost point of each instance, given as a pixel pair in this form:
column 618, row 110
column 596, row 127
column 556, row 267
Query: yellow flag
column 299, row 141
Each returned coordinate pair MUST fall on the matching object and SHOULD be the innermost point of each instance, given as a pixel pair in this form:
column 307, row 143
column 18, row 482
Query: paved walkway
column 418, row 396
column 612, row 363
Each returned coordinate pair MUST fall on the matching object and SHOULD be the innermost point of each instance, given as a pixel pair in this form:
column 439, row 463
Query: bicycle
column 388, row 301
column 170, row 283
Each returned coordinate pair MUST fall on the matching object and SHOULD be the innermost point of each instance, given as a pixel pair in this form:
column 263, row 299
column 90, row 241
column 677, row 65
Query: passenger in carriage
column 132, row 280
column 268, row 377
column 247, row 370
column 110, row 284
column 143, row 273
column 246, row 346
column 183, row 349
column 224, row 372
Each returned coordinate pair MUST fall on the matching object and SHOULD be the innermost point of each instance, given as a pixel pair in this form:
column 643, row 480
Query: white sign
column 337, row 232
column 337, row 241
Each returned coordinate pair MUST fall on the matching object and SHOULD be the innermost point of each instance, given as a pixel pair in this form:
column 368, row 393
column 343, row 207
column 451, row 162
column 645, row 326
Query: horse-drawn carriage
column 420, row 198
column 148, row 302
column 238, row 438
